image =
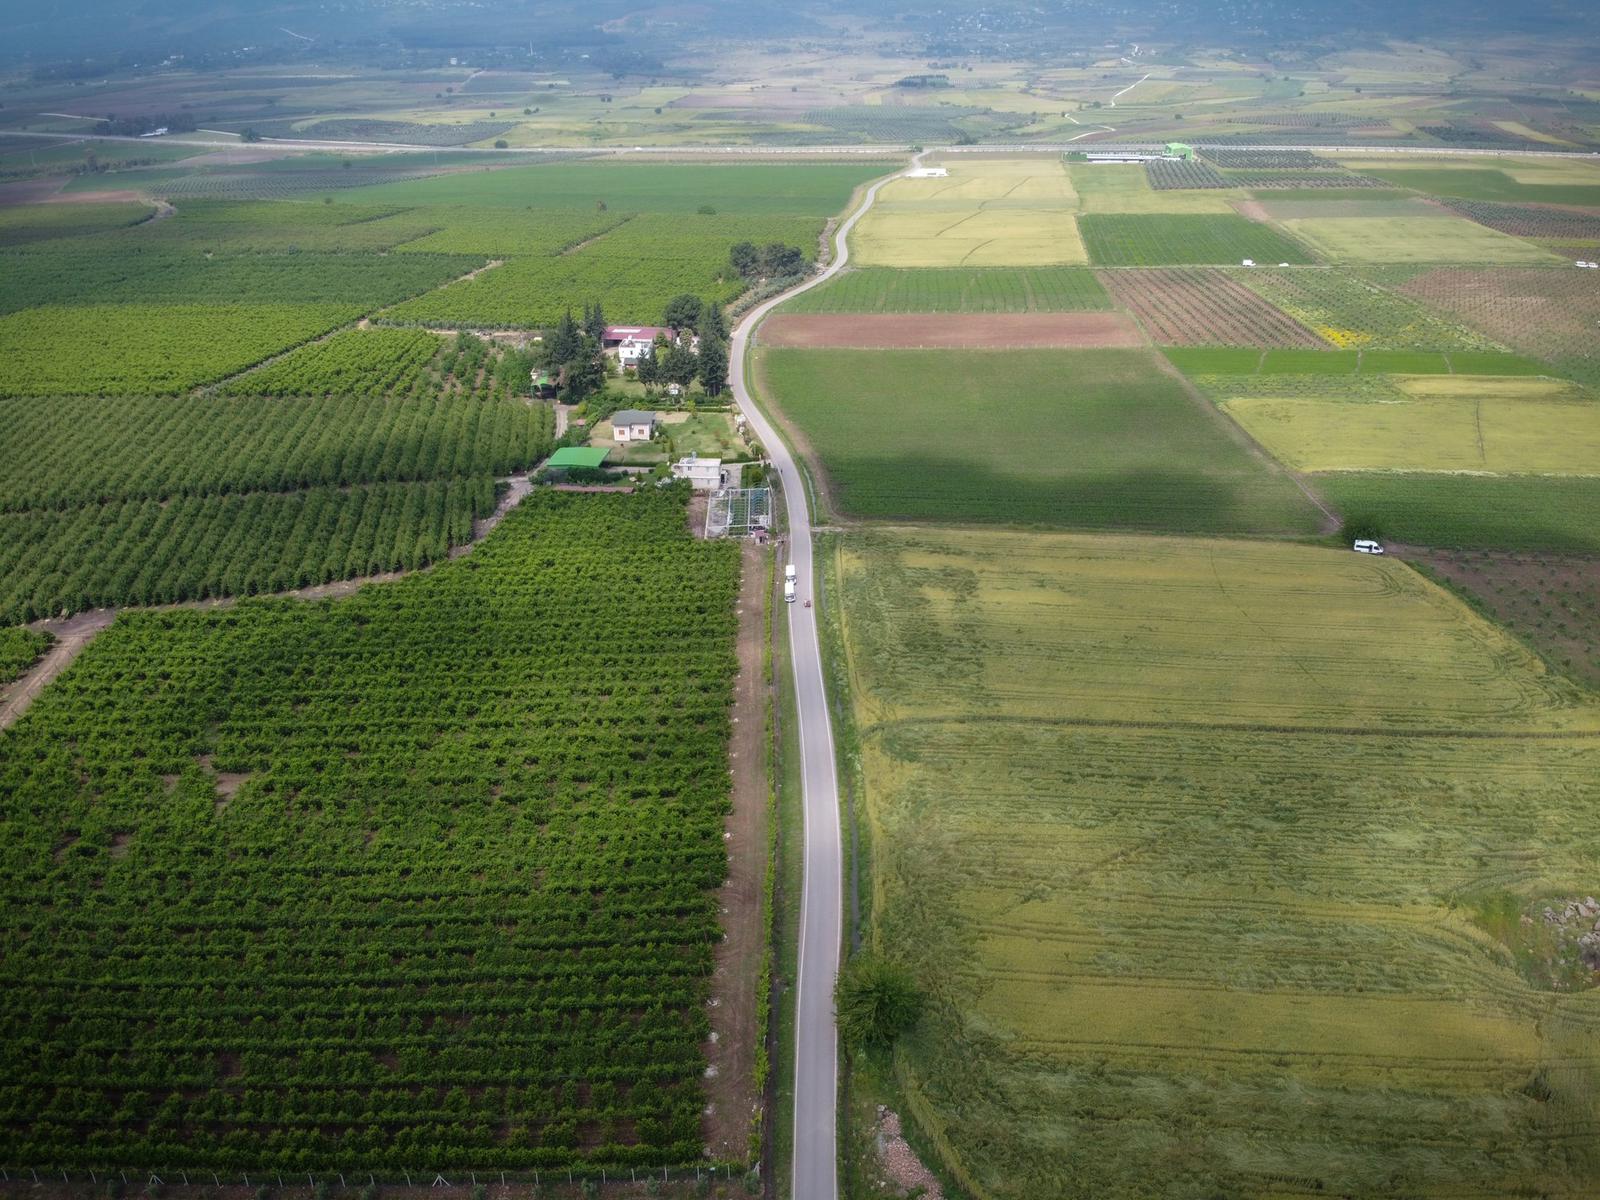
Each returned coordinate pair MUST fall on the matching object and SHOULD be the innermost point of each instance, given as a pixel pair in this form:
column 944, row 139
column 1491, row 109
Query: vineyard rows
column 20, row 649
column 65, row 453
column 354, row 362
column 1121, row 240
column 420, row 878
column 498, row 233
column 976, row 290
column 1530, row 220
column 130, row 350
column 632, row 271
column 1295, row 181
column 1170, row 174
column 1250, row 158
column 1200, row 306
column 277, row 226
column 196, row 547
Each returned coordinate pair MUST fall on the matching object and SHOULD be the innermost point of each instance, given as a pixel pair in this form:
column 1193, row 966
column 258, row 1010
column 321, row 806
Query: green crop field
column 1468, row 184
column 1150, row 240
column 1203, row 903
column 1124, row 188
column 1430, row 423
column 1553, row 514
column 1087, row 438
column 977, row 290
column 41, row 222
column 422, row 878
column 1310, row 362
column 735, row 189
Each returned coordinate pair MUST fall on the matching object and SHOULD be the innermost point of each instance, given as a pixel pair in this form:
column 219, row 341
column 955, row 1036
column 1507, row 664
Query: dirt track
column 731, row 1087
column 951, row 331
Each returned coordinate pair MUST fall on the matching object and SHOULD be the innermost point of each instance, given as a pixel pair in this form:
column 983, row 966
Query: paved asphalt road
column 816, row 1086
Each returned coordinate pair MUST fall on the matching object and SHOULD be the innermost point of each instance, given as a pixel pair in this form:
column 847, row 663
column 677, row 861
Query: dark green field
column 1078, row 438
column 1487, row 185
column 1508, row 512
column 1163, row 240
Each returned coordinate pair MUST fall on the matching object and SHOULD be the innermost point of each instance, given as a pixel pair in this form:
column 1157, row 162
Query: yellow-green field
column 1189, row 840
column 1432, row 423
column 1413, row 240
column 1123, row 188
column 986, row 213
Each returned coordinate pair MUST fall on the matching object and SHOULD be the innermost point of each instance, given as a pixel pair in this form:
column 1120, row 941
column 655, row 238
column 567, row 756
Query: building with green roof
column 568, row 457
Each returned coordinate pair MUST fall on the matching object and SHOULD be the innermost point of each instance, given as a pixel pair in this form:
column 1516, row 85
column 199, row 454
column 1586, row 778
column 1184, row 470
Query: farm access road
column 816, row 1052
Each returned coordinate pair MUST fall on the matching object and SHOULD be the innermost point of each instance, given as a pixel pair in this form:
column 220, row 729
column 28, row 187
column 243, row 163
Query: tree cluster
column 574, row 356
column 772, row 261
column 678, row 360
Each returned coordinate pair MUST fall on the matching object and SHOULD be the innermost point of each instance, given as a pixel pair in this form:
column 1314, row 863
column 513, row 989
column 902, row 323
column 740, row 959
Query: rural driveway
column 816, row 1077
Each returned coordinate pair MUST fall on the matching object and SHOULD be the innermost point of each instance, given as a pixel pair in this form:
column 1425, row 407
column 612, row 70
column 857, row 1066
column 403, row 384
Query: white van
column 1366, row 546
column 789, row 573
column 788, row 590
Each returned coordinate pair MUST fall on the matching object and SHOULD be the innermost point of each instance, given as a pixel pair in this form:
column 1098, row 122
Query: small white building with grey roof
column 633, row 425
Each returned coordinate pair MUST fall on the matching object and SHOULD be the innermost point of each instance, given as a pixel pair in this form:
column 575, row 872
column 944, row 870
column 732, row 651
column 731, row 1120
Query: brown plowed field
column 1549, row 312
column 951, row 331
column 1201, row 306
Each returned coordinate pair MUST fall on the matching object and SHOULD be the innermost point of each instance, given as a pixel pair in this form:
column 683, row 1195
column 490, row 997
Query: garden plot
column 1413, row 239
column 1198, row 306
column 1162, row 949
column 985, row 213
column 1432, row 423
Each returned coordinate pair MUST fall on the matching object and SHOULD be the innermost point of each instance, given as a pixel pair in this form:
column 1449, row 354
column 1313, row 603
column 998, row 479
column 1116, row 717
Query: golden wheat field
column 1193, row 843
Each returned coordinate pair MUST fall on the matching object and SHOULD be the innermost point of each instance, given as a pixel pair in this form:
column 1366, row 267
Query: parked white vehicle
column 1367, row 546
column 788, row 590
column 789, row 573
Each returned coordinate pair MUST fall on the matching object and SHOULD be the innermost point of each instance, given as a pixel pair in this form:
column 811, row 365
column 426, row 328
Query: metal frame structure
column 738, row 512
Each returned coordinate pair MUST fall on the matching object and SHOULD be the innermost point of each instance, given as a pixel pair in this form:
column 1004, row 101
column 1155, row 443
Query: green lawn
column 1086, row 438
column 1517, row 512
column 1159, row 240
column 822, row 189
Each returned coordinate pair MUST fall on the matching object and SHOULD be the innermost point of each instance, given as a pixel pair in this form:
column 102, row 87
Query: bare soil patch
column 1201, row 306
column 951, row 331
column 899, row 1161
column 1550, row 602
column 730, row 1085
column 1253, row 209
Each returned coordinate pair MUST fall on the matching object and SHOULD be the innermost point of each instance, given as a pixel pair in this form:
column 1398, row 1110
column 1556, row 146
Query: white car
column 1366, row 546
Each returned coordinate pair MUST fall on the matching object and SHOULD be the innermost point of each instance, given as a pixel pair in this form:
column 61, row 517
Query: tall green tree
column 745, row 259
column 564, row 341
column 585, row 374
column 712, row 321
column 713, row 364
column 594, row 321
column 682, row 312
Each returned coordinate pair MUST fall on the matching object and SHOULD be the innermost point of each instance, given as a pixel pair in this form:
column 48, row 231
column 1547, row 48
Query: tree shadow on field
column 1146, row 499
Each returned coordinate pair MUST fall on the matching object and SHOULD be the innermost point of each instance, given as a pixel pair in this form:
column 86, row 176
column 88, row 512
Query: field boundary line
column 1367, row 731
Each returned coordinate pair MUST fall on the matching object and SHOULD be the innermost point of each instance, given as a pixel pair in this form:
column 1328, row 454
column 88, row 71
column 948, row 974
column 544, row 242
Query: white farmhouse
column 632, row 425
column 707, row 474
